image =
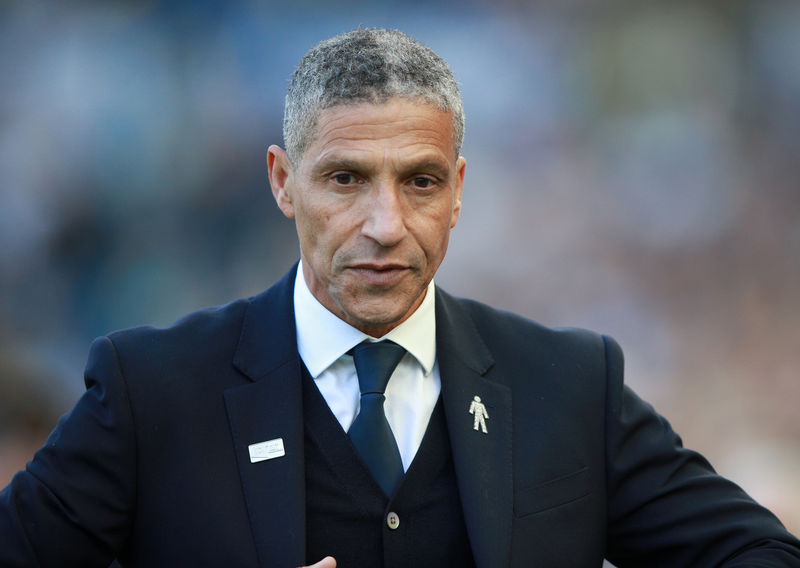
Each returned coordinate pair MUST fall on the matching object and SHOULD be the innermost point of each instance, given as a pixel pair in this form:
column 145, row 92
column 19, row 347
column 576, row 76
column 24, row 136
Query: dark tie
column 370, row 431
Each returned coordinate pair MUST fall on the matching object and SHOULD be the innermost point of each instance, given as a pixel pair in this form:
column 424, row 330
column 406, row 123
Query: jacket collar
column 267, row 340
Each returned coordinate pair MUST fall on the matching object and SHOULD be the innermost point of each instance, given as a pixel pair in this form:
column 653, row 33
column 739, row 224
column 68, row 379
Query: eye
column 422, row 182
column 344, row 178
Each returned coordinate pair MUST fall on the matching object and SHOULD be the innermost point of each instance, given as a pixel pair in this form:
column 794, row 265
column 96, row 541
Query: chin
column 380, row 320
column 377, row 319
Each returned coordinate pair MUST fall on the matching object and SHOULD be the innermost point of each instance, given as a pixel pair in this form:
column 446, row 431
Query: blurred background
column 632, row 168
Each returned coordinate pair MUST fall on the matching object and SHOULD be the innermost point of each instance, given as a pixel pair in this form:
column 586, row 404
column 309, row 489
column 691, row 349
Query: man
column 236, row 437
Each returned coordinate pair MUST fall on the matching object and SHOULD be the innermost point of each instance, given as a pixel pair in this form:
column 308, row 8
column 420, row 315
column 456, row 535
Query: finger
column 327, row 562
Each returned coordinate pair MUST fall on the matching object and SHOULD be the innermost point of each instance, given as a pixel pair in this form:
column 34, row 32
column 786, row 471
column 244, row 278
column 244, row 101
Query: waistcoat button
column 392, row 520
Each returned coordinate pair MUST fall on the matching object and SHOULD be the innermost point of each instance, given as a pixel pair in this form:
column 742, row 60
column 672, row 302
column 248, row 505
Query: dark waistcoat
column 348, row 516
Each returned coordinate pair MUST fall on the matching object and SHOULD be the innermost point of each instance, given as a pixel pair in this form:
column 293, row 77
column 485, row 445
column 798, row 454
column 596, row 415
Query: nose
column 385, row 221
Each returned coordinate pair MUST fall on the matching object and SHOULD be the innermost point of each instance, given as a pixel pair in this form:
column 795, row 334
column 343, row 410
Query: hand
column 327, row 562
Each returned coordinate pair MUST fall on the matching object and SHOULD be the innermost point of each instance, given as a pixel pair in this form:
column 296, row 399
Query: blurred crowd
column 632, row 167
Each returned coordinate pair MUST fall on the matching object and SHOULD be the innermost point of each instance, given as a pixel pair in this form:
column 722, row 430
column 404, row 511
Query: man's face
column 374, row 198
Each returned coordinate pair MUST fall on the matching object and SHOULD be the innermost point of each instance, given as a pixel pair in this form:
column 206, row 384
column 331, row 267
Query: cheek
column 440, row 221
column 433, row 237
column 321, row 232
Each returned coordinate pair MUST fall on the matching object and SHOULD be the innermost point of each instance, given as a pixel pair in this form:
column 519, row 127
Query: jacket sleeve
column 72, row 505
column 667, row 506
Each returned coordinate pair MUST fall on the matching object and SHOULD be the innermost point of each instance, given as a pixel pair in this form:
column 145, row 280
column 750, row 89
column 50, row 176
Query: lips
column 377, row 274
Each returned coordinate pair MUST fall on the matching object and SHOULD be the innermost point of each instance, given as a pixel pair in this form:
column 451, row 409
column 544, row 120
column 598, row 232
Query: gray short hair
column 366, row 65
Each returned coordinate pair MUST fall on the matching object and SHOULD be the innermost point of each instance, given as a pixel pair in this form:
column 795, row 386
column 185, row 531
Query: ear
column 461, row 166
column 281, row 176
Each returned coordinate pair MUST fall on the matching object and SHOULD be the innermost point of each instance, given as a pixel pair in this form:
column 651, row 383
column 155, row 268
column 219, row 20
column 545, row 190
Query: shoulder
column 578, row 365
column 208, row 327
column 215, row 327
column 504, row 331
column 200, row 344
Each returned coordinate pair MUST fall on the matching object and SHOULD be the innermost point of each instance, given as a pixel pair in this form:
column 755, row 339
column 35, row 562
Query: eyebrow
column 336, row 163
column 435, row 167
column 424, row 165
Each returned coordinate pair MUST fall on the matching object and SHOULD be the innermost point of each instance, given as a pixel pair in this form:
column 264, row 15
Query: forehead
column 394, row 126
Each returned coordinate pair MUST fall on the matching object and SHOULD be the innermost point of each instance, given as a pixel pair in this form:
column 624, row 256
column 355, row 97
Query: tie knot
column 374, row 363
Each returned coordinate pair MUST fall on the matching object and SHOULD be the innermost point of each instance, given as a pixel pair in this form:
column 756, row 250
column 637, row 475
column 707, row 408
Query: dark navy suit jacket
column 152, row 465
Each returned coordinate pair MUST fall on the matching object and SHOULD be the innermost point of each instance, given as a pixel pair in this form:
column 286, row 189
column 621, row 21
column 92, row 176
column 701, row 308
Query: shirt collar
column 322, row 337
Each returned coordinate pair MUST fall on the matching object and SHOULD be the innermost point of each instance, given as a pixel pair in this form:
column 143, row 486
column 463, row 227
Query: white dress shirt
column 323, row 341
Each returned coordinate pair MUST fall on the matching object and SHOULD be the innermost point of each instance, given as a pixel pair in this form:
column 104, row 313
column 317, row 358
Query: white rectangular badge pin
column 268, row 450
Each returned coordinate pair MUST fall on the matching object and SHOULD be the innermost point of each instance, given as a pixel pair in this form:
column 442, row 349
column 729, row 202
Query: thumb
column 327, row 562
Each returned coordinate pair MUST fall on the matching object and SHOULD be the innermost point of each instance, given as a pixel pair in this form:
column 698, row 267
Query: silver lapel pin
column 268, row 450
column 478, row 410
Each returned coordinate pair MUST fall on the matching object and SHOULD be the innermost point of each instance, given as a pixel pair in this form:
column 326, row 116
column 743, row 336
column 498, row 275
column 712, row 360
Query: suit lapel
column 482, row 461
column 270, row 408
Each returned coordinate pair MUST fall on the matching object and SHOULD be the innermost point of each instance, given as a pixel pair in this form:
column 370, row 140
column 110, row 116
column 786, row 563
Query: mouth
column 380, row 274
